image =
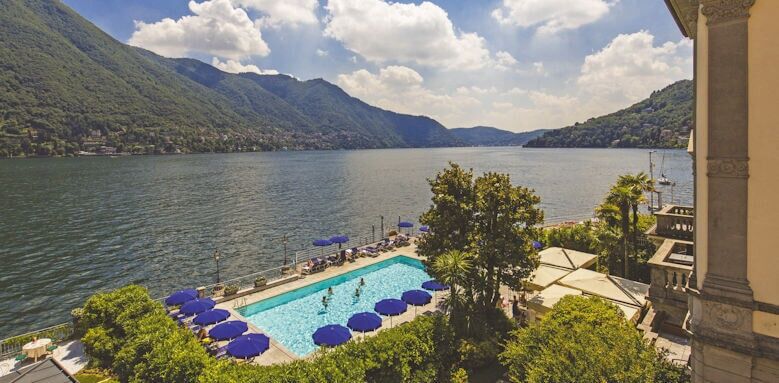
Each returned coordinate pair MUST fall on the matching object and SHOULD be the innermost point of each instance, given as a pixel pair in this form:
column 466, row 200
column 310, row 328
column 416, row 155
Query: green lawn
column 94, row 378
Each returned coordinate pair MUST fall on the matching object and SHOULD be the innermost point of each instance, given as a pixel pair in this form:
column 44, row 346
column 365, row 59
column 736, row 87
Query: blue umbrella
column 537, row 245
column 197, row 306
column 210, row 317
column 228, row 330
column 416, row 298
column 434, row 285
column 424, row 229
column 322, row 242
column 180, row 297
column 364, row 322
column 390, row 307
column 339, row 239
column 248, row 346
column 405, row 224
column 331, row 335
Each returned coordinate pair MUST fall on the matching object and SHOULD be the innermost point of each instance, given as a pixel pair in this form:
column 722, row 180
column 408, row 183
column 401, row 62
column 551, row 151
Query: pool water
column 292, row 318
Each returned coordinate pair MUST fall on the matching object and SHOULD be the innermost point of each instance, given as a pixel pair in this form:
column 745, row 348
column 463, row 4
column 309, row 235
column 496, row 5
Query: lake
column 71, row 227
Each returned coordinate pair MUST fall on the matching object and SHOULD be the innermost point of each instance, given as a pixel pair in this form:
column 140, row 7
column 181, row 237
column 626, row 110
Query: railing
column 670, row 278
column 675, row 222
column 13, row 346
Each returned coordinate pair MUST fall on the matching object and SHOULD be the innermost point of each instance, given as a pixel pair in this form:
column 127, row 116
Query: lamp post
column 652, row 180
column 284, row 241
column 382, row 227
column 216, row 258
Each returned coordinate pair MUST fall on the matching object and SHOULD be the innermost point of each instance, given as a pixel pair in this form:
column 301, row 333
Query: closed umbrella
column 228, row 330
column 248, row 346
column 424, row 229
column 331, row 335
column 416, row 298
column 537, row 245
column 180, row 297
column 390, row 307
column 210, row 317
column 197, row 306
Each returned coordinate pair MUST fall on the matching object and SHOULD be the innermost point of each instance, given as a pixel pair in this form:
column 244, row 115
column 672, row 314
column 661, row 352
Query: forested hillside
column 67, row 86
column 661, row 121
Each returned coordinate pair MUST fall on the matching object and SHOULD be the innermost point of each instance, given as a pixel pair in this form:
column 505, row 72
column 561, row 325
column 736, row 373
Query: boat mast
column 652, row 180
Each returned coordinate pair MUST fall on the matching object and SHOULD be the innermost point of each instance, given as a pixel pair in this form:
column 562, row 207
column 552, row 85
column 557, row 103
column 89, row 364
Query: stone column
column 721, row 313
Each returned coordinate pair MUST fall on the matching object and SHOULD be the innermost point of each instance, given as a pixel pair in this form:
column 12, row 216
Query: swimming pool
column 291, row 318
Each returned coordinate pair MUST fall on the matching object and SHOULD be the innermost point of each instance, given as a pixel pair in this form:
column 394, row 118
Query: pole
column 382, row 227
column 216, row 258
column 284, row 241
column 373, row 233
column 651, row 179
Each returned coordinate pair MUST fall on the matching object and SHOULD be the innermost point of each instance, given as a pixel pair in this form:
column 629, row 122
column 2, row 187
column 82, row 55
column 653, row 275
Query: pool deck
column 277, row 352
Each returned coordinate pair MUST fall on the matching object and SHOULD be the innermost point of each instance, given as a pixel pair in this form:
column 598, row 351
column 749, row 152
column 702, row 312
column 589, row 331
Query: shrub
column 581, row 340
column 231, row 289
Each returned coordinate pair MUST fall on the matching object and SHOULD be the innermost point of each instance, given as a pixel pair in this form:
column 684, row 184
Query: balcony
column 670, row 269
column 673, row 222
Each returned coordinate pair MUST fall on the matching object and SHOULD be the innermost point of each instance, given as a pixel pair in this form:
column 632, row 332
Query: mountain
column 661, row 121
column 489, row 136
column 66, row 86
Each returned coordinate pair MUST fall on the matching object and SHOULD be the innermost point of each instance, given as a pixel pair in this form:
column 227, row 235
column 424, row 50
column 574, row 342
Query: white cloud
column 322, row 53
column 215, row 28
column 551, row 16
column 504, row 60
column 232, row 66
column 283, row 12
column 402, row 89
column 630, row 67
column 515, row 92
column 384, row 32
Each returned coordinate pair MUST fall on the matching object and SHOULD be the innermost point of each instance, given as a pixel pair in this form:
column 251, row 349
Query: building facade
column 733, row 292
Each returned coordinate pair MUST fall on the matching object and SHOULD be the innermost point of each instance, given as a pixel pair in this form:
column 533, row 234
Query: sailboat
column 663, row 180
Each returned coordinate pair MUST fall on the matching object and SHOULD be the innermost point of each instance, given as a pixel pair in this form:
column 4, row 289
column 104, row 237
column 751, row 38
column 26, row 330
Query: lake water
column 70, row 227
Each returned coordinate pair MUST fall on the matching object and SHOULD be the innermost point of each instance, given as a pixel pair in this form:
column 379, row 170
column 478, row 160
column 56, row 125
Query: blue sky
column 514, row 64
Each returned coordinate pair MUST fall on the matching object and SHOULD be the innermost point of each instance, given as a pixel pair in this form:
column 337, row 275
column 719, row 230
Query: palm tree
column 622, row 197
column 638, row 184
column 452, row 268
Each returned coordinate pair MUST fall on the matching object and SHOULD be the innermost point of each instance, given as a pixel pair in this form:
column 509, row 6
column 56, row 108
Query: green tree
column 638, row 184
column 622, row 197
column 505, row 226
column 451, row 213
column 452, row 268
column 584, row 340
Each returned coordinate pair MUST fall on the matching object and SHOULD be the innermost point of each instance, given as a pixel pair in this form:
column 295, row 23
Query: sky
column 517, row 65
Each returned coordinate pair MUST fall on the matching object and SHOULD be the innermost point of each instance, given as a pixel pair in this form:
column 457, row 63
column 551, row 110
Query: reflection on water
column 70, row 227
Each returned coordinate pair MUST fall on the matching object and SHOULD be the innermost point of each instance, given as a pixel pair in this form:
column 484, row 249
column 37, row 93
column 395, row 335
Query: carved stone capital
column 727, row 167
column 722, row 11
column 690, row 18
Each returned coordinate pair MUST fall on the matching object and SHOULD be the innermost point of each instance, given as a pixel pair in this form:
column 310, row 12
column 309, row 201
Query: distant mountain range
column 489, row 136
column 65, row 86
column 661, row 121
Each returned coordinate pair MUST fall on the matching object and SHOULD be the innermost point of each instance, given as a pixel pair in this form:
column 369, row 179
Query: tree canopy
column 585, row 340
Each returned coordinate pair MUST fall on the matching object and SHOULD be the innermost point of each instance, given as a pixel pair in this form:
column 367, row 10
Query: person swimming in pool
column 325, row 301
column 329, row 291
column 362, row 282
column 357, row 292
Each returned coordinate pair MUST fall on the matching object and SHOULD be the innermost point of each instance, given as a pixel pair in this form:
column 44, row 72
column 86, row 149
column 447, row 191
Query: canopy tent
column 566, row 258
column 543, row 302
column 613, row 288
column 545, row 275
